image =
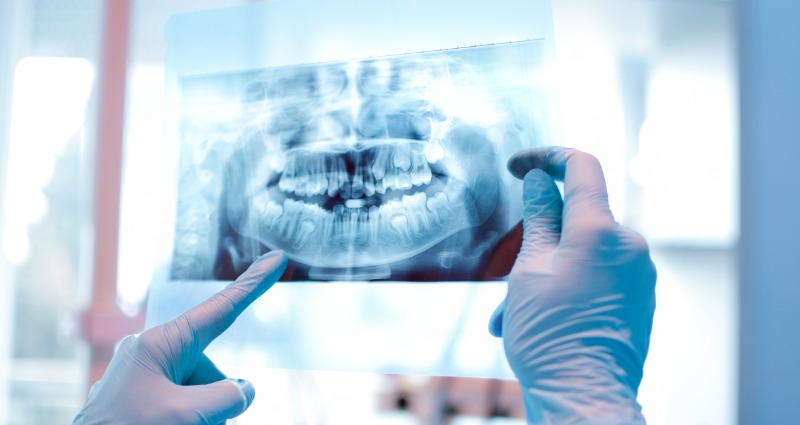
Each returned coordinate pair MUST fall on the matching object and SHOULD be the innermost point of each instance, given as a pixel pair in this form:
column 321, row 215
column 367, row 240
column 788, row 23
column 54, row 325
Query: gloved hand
column 581, row 296
column 162, row 376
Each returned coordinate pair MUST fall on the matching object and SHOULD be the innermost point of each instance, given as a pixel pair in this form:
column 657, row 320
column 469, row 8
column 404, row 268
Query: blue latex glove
column 162, row 376
column 581, row 296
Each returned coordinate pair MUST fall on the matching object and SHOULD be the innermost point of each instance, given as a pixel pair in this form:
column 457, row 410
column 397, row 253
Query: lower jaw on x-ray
column 371, row 169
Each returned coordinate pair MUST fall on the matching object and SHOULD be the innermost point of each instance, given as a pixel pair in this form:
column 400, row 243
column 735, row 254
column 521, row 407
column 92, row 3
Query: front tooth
column 374, row 220
column 357, row 187
column 456, row 192
column 334, row 175
column 402, row 156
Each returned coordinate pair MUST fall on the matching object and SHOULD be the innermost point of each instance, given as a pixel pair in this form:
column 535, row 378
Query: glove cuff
column 580, row 408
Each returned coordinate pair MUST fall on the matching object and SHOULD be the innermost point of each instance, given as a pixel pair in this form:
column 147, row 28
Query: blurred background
column 648, row 86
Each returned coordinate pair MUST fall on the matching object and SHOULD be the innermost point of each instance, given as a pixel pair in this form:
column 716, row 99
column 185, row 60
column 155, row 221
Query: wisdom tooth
column 433, row 151
column 456, row 192
column 440, row 209
column 276, row 162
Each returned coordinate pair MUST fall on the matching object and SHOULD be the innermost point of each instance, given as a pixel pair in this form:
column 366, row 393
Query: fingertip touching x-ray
column 364, row 169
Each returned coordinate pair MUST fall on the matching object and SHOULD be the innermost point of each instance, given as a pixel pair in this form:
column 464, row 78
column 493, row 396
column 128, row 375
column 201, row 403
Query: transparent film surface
column 366, row 169
column 368, row 140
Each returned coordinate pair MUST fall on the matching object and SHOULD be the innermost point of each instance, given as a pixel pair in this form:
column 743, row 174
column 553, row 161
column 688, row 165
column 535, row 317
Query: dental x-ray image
column 384, row 168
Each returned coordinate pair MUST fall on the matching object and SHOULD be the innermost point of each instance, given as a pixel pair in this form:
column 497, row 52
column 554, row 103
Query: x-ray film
column 368, row 141
column 383, row 168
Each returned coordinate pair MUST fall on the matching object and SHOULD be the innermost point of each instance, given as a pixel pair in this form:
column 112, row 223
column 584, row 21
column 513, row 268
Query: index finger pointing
column 212, row 317
column 585, row 193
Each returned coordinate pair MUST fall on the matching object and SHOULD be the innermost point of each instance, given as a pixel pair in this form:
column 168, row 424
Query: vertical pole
column 100, row 324
column 15, row 33
column 769, row 345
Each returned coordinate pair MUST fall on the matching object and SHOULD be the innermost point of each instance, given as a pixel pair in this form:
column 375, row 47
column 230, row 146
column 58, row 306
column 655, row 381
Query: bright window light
column 48, row 108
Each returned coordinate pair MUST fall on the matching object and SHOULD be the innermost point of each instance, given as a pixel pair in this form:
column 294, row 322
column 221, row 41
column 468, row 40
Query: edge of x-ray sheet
column 388, row 327
column 393, row 328
column 289, row 32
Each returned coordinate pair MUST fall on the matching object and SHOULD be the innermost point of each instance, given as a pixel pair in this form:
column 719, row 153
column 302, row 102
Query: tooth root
column 357, row 188
column 456, row 192
column 374, row 220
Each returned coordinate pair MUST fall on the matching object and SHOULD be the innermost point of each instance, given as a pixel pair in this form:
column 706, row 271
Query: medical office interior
column 89, row 157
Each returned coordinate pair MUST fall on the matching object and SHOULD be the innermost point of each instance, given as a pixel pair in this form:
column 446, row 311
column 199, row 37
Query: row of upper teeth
column 396, row 166
column 404, row 220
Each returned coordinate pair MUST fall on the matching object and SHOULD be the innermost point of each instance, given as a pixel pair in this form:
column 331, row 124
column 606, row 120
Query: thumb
column 496, row 321
column 221, row 400
column 542, row 215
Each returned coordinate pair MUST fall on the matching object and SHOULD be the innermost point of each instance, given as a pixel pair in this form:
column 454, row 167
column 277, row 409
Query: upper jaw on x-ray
column 361, row 164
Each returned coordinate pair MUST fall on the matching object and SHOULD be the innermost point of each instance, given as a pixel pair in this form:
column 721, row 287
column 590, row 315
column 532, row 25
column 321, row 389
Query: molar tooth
column 414, row 206
column 400, row 225
column 286, row 183
column 380, row 163
column 304, row 231
column 397, row 180
column 286, row 225
column 420, row 170
column 456, row 192
column 402, row 156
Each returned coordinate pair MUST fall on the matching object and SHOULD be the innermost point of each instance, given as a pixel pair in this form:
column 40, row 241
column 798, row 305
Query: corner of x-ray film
column 367, row 140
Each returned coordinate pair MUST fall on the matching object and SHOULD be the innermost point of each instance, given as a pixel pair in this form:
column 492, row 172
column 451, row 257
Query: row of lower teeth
column 398, row 167
column 408, row 218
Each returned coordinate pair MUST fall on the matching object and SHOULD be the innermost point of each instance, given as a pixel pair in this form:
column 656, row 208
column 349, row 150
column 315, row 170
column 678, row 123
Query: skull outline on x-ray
column 365, row 169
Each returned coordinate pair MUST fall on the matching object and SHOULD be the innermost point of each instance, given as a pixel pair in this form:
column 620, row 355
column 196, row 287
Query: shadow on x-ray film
column 384, row 168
